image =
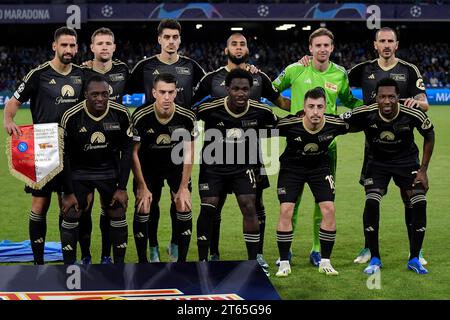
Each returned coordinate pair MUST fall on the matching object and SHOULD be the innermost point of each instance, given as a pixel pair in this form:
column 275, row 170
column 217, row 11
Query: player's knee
column 40, row 205
column 116, row 212
column 71, row 215
column 87, row 212
column 259, row 204
column 286, row 211
column 211, row 201
column 247, row 204
column 248, row 209
column 327, row 208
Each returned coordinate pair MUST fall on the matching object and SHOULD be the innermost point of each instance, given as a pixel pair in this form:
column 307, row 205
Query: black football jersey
column 231, row 142
column 307, row 148
column 117, row 78
column 187, row 71
column 390, row 141
column 50, row 92
column 213, row 85
column 367, row 74
column 158, row 137
column 98, row 148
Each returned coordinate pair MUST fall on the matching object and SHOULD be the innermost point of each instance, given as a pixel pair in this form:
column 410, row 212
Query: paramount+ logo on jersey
column 387, row 137
column 67, row 95
column 98, row 141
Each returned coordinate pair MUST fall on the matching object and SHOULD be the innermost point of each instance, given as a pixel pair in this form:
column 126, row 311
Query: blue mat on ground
column 21, row 251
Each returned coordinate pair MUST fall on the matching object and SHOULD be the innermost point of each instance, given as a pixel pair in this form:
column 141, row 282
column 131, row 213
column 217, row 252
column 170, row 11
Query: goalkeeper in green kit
column 321, row 72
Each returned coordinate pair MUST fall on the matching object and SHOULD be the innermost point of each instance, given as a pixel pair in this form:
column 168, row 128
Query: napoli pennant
column 36, row 157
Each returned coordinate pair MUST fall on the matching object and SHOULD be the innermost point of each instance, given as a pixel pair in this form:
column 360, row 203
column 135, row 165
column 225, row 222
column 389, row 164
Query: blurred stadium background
column 422, row 27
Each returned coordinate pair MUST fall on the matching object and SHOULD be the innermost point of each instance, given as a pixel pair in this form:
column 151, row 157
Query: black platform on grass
column 222, row 280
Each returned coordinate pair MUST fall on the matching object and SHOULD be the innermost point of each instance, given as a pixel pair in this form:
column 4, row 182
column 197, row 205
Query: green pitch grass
column 305, row 282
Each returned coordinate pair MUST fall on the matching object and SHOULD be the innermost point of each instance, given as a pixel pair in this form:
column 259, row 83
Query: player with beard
column 52, row 88
column 188, row 73
column 213, row 86
column 412, row 94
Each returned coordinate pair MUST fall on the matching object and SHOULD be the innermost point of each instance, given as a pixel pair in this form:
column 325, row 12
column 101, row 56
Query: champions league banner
column 36, row 156
column 224, row 11
column 228, row 11
column 213, row 281
column 260, row 12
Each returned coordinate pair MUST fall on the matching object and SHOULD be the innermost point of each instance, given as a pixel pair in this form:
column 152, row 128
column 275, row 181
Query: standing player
column 97, row 155
column 230, row 124
column 306, row 160
column 116, row 73
column 158, row 129
column 188, row 74
column 321, row 72
column 213, row 85
column 52, row 88
column 412, row 94
column 187, row 71
column 389, row 130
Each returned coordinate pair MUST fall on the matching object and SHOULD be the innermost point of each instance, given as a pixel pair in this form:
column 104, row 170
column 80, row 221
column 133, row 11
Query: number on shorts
column 330, row 181
column 251, row 176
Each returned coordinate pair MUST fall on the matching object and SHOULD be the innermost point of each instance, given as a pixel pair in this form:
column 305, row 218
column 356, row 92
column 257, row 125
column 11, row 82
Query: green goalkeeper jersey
column 303, row 78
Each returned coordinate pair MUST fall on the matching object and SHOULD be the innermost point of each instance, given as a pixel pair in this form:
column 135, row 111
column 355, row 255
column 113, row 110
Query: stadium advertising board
column 156, row 281
column 224, row 11
column 41, row 13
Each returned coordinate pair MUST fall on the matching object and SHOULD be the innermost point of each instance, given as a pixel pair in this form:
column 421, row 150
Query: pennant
column 36, row 157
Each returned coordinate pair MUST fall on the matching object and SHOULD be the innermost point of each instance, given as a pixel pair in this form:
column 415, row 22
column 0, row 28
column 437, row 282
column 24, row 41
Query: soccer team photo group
column 170, row 149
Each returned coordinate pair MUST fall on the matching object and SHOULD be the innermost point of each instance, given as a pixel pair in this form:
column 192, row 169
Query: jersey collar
column 161, row 120
column 103, row 71
column 330, row 63
column 388, row 67
column 158, row 56
column 62, row 73
column 91, row 116
column 231, row 112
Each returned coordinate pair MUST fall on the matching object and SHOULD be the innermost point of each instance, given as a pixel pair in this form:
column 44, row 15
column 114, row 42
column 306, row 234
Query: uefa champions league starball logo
column 107, row 11
column 263, row 10
column 415, row 11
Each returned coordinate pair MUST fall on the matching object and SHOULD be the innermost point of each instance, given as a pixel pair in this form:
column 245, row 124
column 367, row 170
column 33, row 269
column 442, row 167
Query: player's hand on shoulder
column 251, row 68
column 411, row 103
column 300, row 114
column 88, row 63
column 304, row 61
column 120, row 196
